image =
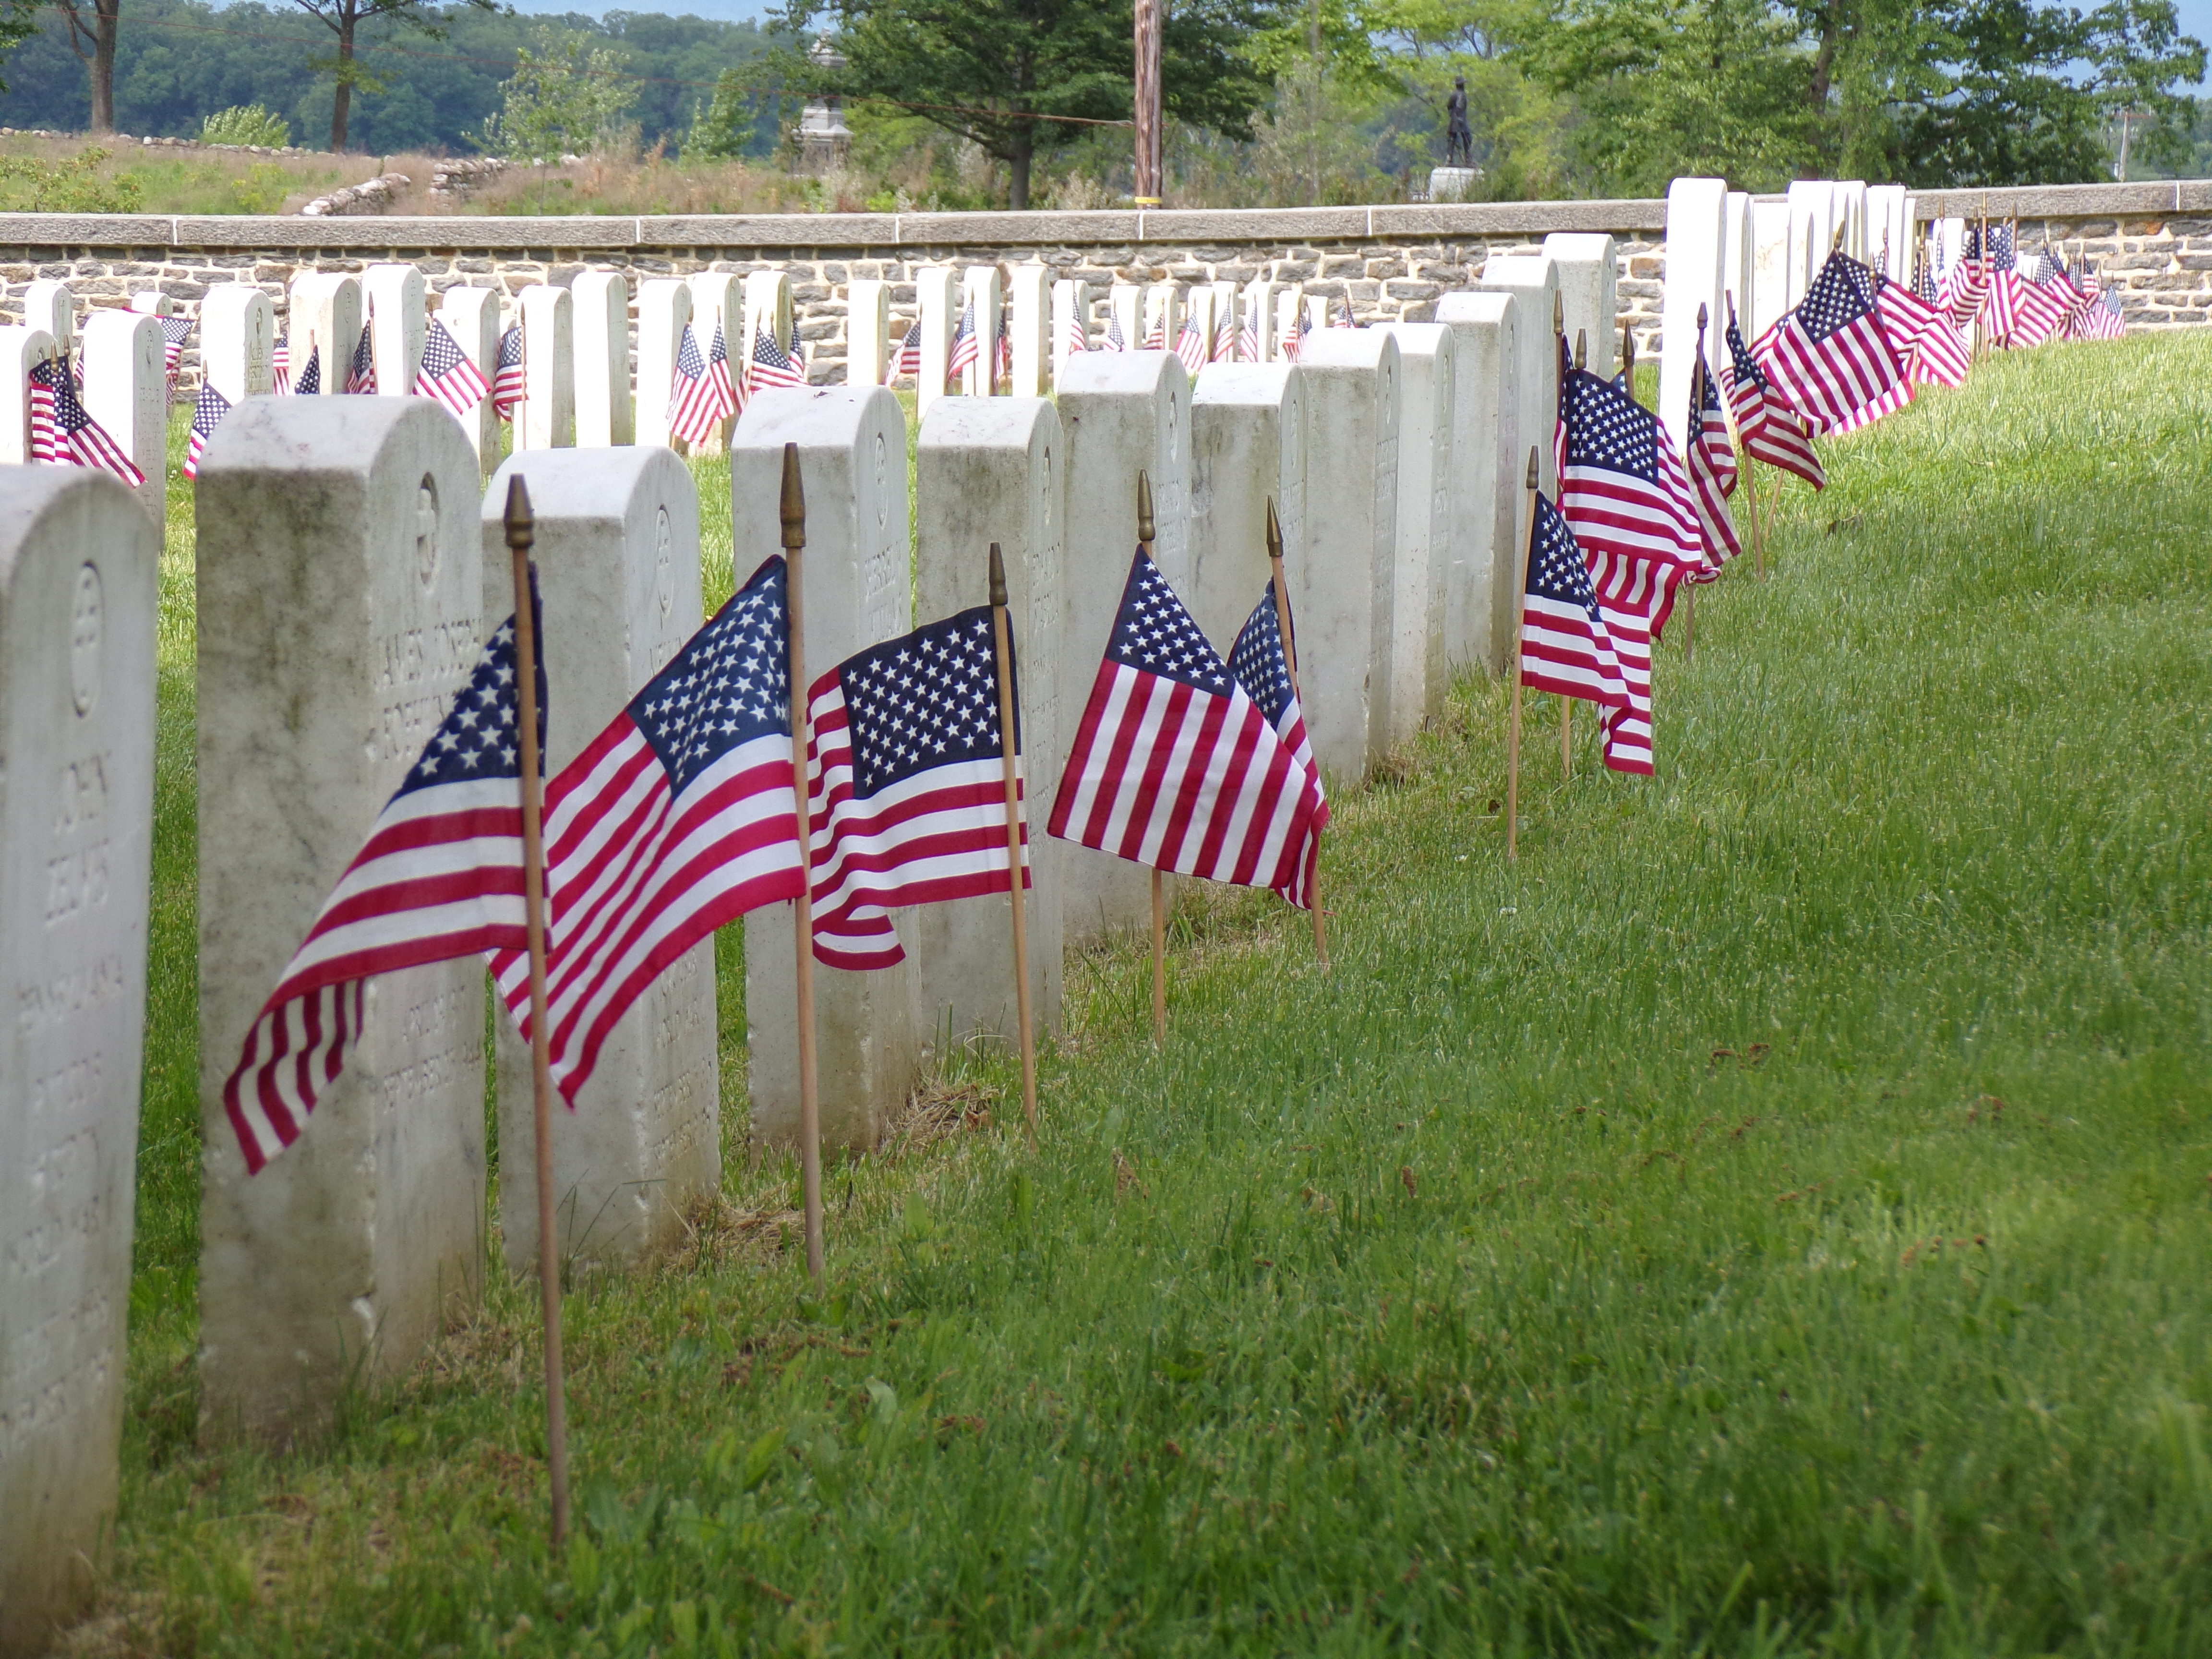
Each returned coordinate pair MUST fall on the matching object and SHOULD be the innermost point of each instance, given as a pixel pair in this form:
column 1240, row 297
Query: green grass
column 1770, row 1220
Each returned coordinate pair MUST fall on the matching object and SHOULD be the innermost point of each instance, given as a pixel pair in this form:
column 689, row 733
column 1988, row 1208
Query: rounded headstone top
column 1244, row 383
column 968, row 421
column 30, row 495
column 588, row 483
column 1120, row 372
column 330, row 436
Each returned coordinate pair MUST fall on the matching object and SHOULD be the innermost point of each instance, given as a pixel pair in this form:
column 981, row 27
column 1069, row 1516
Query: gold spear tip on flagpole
column 1274, row 533
column 1532, row 466
column 792, row 505
column 521, row 527
column 1559, row 313
column 1144, row 506
column 1701, row 313
column 1581, row 347
column 998, row 580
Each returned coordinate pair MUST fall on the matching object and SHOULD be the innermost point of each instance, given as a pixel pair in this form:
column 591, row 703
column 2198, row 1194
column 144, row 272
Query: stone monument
column 1480, row 606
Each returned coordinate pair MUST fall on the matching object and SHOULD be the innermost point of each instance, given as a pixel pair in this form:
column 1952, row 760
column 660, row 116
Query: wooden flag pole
column 1002, row 641
column 792, row 511
column 1750, row 483
column 1291, row 662
column 1513, row 725
column 521, row 535
column 1628, row 361
column 1159, row 877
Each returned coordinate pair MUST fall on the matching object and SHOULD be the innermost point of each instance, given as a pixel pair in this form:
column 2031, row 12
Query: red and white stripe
column 1616, row 512
column 1831, row 379
column 1922, row 336
column 1634, row 598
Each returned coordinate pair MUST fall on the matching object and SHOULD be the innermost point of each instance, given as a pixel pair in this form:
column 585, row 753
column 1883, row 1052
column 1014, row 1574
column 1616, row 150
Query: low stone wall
column 1389, row 263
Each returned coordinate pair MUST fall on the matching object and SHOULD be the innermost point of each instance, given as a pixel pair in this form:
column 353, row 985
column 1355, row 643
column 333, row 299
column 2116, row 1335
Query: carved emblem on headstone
column 663, row 564
column 426, row 530
column 84, row 639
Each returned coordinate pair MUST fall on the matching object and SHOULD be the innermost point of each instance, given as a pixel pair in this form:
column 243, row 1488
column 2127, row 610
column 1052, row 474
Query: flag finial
column 793, row 508
column 1559, row 313
column 1701, row 313
column 1581, row 347
column 1532, row 466
column 998, row 580
column 1144, row 506
column 521, row 526
column 1274, row 533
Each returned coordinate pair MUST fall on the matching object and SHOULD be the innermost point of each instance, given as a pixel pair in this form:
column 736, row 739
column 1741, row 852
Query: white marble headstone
column 1480, row 564
column 1589, row 274
column 238, row 340
column 21, row 350
column 1696, row 241
column 1418, row 674
column 77, row 609
column 604, row 417
column 470, row 315
column 547, row 419
column 664, row 311
column 325, row 320
column 397, row 325
column 1812, row 226
column 1247, row 447
column 1028, row 322
column 1769, row 270
column 1070, row 313
column 126, row 390
column 718, row 301
column 979, row 289
column 50, row 305
column 1532, row 281
column 868, row 343
column 937, row 291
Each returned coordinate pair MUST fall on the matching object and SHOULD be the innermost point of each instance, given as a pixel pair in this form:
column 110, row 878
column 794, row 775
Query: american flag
column 2023, row 313
column 1002, row 351
column 1295, row 343
column 1072, row 338
column 360, row 377
column 1247, row 337
column 311, row 377
column 1922, row 335
column 1710, row 463
column 1995, row 251
column 699, row 400
column 1156, row 337
column 1173, row 766
column 906, row 787
column 447, row 375
column 175, row 331
column 1225, row 335
column 1831, row 359
column 506, row 376
column 62, row 430
column 678, row 817
column 280, row 369
column 962, row 354
column 1190, row 346
column 1565, row 647
column 1262, row 667
column 1772, row 432
column 909, row 352
column 1634, row 598
column 2105, row 320
column 1620, row 485
column 439, row 877
column 771, row 367
column 207, row 413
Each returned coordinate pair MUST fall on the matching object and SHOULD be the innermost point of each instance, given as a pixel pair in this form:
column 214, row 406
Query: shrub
column 74, row 186
column 246, row 123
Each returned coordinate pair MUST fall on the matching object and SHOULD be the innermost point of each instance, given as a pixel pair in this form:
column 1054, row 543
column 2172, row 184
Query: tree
column 94, row 43
column 19, row 22
column 344, row 18
column 565, row 97
column 996, row 71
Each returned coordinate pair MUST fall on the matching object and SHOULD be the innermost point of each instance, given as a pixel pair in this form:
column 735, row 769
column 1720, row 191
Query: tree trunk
column 1019, row 153
column 343, row 101
column 107, row 17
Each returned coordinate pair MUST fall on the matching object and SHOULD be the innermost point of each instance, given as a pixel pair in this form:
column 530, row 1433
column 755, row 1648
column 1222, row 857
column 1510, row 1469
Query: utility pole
column 1147, row 102
column 2127, row 116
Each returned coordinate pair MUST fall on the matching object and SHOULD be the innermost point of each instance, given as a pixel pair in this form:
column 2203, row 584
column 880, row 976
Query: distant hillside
column 179, row 61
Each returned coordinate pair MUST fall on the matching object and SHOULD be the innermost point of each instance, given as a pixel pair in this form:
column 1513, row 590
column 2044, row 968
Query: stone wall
column 1388, row 263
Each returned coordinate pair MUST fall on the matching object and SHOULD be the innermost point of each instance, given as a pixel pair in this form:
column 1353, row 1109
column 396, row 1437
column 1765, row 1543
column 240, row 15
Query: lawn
column 1769, row 1218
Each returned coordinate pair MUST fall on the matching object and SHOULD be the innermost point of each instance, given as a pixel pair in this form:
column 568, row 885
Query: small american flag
column 1225, row 337
column 1262, row 667
column 1247, row 337
column 962, row 355
column 507, row 375
column 175, row 331
column 771, row 367
column 1634, row 598
column 1002, row 351
column 448, row 375
column 1831, row 358
column 62, row 430
column 1710, row 463
column 1114, row 340
column 678, row 817
column 207, row 413
column 2024, row 312
column 311, row 377
column 360, row 377
column 439, row 877
column 1772, row 432
column 907, row 358
column 1296, row 343
column 1190, row 346
column 1173, row 766
column 1620, row 485
column 1566, row 648
column 1922, row 335
column 906, row 793
column 280, row 369
column 1156, row 337
column 1072, row 338
column 698, row 402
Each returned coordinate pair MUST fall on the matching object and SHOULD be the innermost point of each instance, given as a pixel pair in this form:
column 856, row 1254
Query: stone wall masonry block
column 50, row 305
column 21, row 350
column 1531, row 282
column 325, row 318
column 980, row 291
column 1490, row 504
column 1125, row 308
column 857, row 592
column 995, row 470
column 937, row 290
column 717, row 302
column 1589, row 273
column 338, row 542
column 126, row 390
column 604, row 416
column 1696, row 241
column 1028, row 316
column 867, row 331
column 1769, row 270
column 1247, row 448
column 617, row 559
column 1122, row 413
column 238, row 341
column 77, row 564
column 664, row 312
column 397, row 325
column 547, row 419
column 470, row 315
column 1071, row 313
column 1418, row 676
column 1735, row 267
column 1812, row 223
column 1342, row 591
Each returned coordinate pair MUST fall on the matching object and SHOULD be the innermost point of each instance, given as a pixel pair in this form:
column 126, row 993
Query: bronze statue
column 1459, row 138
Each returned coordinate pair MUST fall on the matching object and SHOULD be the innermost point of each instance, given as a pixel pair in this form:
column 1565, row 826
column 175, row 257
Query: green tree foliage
column 245, row 123
column 565, row 97
column 988, row 70
column 19, row 22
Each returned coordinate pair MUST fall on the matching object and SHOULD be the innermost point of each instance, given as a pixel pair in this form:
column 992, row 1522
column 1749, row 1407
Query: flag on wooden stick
column 207, row 412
